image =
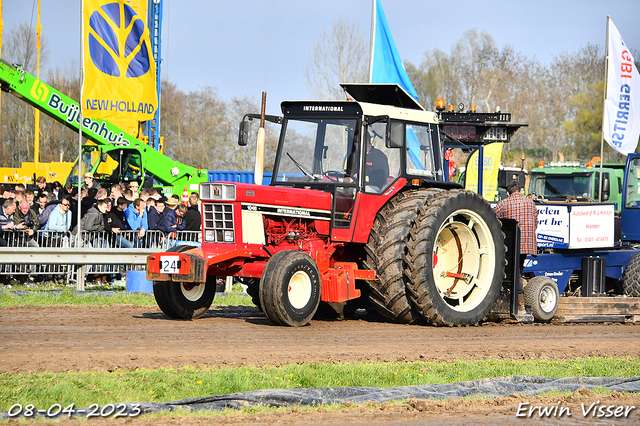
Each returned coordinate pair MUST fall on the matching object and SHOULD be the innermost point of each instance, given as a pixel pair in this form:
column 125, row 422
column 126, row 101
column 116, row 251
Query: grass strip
column 167, row 384
column 70, row 297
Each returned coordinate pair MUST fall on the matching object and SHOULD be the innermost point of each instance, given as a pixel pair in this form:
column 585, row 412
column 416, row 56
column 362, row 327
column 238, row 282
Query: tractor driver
column 377, row 167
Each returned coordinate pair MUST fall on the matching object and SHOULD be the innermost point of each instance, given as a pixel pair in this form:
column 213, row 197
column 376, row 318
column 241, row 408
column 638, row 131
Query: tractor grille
column 218, row 223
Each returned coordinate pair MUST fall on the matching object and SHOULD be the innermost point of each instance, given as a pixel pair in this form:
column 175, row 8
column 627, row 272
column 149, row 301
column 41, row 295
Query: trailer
column 588, row 249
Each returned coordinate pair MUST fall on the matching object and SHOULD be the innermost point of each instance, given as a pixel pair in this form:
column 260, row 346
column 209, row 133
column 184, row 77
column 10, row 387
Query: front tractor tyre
column 164, row 292
column 290, row 288
column 542, row 297
column 183, row 300
column 455, row 259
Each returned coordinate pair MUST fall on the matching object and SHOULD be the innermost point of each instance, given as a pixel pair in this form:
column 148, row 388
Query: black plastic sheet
column 486, row 388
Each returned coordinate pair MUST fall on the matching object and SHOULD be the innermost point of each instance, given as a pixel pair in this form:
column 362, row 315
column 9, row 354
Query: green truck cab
column 573, row 181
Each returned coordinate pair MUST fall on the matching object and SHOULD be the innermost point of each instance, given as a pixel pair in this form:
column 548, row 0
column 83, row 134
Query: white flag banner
column 621, row 127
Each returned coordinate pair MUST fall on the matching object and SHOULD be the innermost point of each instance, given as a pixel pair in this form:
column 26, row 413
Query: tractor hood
column 307, row 199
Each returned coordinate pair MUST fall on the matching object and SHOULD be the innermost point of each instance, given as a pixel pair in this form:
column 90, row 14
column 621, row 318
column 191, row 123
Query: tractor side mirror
column 243, row 133
column 395, row 135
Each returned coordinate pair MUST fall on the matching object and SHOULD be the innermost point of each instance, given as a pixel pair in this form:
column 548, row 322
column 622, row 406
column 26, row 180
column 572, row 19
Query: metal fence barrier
column 59, row 256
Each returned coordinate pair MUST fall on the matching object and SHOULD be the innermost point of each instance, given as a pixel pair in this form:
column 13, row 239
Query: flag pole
column 373, row 38
column 604, row 101
column 80, row 280
column 36, row 139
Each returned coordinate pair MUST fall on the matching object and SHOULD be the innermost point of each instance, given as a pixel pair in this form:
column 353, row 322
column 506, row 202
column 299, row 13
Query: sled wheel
column 455, row 259
column 290, row 288
column 542, row 297
column 631, row 277
column 182, row 300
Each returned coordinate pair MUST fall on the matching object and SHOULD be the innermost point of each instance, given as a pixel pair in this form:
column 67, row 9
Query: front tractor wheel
column 182, row 300
column 290, row 288
column 455, row 259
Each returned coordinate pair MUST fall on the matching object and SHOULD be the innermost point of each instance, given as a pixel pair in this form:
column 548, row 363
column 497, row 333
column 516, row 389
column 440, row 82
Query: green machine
column 111, row 154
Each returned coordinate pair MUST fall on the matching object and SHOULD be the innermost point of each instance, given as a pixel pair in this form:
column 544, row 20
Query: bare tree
column 341, row 56
column 19, row 47
column 18, row 123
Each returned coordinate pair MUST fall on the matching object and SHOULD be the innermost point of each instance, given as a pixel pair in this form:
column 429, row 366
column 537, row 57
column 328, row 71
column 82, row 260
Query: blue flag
column 386, row 66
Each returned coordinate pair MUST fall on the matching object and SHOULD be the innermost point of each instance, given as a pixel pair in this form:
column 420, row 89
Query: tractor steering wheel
column 333, row 175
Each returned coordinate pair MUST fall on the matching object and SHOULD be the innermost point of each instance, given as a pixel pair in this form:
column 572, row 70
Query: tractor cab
column 358, row 150
column 109, row 165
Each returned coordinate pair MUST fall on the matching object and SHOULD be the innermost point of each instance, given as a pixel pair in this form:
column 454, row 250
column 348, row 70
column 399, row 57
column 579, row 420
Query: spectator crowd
column 118, row 216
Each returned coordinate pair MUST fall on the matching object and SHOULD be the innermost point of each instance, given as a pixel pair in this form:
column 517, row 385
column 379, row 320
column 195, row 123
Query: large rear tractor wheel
column 631, row 277
column 290, row 288
column 455, row 259
column 385, row 251
column 542, row 297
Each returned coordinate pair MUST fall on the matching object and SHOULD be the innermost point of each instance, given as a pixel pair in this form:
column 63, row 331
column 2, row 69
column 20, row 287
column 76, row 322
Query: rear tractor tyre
column 631, row 277
column 384, row 253
column 455, row 259
column 290, row 288
column 542, row 297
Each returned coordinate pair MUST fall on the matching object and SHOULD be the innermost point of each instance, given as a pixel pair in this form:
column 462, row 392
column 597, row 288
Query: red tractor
column 358, row 213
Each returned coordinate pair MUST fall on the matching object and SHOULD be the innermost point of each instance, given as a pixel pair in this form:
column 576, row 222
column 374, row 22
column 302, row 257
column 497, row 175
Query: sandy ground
column 106, row 338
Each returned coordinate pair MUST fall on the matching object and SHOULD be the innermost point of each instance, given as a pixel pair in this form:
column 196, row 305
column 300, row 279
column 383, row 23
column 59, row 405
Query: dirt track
column 63, row 338
column 68, row 338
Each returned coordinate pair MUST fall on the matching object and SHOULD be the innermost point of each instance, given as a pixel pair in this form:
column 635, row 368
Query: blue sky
column 244, row 47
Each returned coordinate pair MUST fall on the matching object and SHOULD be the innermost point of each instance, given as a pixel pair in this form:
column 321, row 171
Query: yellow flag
column 492, row 154
column 120, row 73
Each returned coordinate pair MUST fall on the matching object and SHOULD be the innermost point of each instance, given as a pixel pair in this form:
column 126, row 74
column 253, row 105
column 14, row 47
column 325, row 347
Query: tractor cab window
column 86, row 165
column 318, row 150
column 382, row 164
column 420, row 156
column 120, row 165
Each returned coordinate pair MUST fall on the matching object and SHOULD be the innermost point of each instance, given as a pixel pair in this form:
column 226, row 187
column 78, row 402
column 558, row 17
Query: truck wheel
column 455, row 259
column 384, row 253
column 290, row 288
column 631, row 277
column 542, row 297
column 160, row 291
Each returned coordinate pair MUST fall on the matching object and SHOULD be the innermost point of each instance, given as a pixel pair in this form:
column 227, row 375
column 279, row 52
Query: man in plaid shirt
column 522, row 209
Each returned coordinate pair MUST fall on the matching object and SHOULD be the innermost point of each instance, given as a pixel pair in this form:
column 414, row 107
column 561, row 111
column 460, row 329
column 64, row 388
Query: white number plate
column 169, row 264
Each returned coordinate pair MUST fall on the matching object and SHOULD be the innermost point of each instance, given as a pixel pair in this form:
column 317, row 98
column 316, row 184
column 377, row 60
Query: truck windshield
column 560, row 186
column 318, row 150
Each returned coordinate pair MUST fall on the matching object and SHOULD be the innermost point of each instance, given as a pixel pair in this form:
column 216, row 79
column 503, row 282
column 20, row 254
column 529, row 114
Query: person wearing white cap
column 90, row 181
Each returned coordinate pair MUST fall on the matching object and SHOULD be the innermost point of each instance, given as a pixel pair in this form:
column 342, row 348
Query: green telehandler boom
column 111, row 154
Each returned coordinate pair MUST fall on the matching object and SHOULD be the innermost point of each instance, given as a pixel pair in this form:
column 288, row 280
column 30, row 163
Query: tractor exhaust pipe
column 259, row 170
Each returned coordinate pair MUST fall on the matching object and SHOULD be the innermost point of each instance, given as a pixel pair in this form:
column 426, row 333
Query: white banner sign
column 591, row 226
column 553, row 226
